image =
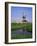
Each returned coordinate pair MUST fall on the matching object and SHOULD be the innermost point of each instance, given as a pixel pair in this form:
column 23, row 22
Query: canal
column 20, row 33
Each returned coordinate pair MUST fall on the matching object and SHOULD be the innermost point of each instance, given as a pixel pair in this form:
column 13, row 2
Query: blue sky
column 18, row 12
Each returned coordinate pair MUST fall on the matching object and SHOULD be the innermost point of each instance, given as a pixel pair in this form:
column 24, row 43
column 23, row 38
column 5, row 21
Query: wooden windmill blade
column 24, row 16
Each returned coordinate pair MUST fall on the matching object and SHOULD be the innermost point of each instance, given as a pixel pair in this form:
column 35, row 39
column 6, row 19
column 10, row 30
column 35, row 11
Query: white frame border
column 9, row 23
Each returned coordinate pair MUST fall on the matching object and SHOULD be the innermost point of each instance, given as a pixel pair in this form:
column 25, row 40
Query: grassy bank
column 27, row 26
column 22, row 36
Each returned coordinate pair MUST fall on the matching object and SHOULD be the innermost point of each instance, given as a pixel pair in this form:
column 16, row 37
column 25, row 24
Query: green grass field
column 22, row 36
column 27, row 26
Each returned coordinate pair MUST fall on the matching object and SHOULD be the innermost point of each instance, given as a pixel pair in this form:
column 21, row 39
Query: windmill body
column 24, row 19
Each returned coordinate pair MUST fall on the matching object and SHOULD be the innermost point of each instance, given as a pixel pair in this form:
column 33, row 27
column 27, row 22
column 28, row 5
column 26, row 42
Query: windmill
column 24, row 18
column 24, row 21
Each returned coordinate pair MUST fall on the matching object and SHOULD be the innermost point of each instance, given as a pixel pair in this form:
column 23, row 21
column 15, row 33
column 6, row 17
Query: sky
column 18, row 12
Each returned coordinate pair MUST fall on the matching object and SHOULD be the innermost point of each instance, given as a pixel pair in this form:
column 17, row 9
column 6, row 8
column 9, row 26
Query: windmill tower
column 24, row 18
column 24, row 21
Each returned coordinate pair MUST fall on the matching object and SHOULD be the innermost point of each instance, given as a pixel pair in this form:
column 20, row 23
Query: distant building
column 24, row 19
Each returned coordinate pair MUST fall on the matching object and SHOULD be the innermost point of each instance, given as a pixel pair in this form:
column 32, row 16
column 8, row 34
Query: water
column 19, row 31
